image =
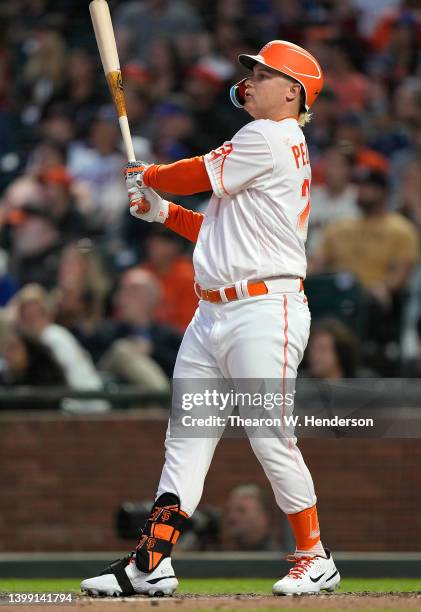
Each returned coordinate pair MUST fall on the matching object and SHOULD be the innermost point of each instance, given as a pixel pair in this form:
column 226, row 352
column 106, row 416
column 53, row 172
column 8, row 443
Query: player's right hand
column 147, row 205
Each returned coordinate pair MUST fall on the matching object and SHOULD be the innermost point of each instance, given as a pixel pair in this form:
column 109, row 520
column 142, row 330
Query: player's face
column 269, row 94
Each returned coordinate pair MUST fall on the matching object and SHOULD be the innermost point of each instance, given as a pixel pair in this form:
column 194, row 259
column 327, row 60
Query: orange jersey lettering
column 300, row 153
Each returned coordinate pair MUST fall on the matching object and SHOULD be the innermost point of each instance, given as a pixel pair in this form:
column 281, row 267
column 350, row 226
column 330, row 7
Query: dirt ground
column 225, row 603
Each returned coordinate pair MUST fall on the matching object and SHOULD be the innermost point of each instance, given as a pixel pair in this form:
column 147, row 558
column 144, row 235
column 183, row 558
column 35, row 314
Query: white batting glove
column 147, row 205
column 134, row 172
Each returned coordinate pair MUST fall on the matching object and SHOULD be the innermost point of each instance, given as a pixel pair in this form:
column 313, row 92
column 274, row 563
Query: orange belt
column 254, row 288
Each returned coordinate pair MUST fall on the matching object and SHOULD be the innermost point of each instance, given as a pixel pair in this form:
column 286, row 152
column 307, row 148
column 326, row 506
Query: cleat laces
column 300, row 567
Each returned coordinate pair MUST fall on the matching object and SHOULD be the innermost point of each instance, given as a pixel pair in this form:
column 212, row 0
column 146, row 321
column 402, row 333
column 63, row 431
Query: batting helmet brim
column 249, row 61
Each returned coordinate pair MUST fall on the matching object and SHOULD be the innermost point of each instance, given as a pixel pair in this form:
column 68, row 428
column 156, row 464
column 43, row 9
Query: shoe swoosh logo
column 332, row 576
column 156, row 580
column 318, row 578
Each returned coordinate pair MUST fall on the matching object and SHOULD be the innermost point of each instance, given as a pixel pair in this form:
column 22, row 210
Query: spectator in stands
column 175, row 275
column 57, row 123
column 24, row 189
column 80, row 295
column 35, row 320
column 351, row 135
column 138, row 25
column 40, row 217
column 80, row 89
column 349, row 85
column 245, row 523
column 395, row 40
column 138, row 99
column 388, row 137
column 34, row 244
column 334, row 199
column 98, row 164
column 372, row 16
column 173, row 131
column 29, row 362
column 203, row 84
column 380, row 247
column 46, row 156
column 144, row 352
column 332, row 351
column 228, row 37
column 43, row 72
column 61, row 206
column 164, row 67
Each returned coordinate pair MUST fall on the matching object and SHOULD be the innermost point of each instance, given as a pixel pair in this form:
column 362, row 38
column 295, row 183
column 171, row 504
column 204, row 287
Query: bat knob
column 140, row 204
column 143, row 207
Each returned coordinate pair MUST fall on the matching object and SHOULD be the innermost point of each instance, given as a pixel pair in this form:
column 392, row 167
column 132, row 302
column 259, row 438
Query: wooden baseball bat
column 104, row 34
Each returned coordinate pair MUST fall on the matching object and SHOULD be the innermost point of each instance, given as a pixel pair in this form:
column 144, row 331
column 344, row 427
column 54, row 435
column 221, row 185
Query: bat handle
column 127, row 139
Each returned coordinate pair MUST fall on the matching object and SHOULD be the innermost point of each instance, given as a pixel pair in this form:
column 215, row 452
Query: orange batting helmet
column 289, row 59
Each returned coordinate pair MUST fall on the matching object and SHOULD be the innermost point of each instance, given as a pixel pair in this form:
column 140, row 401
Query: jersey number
column 302, row 224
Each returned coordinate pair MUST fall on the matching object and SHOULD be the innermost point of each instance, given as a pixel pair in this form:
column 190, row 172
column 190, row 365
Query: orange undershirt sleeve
column 184, row 177
column 183, row 221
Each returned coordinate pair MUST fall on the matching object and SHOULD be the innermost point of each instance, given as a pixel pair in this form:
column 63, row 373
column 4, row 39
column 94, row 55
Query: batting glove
column 134, row 172
column 147, row 205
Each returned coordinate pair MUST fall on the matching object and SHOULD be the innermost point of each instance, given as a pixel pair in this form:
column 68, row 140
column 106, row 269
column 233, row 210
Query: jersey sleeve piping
column 215, row 176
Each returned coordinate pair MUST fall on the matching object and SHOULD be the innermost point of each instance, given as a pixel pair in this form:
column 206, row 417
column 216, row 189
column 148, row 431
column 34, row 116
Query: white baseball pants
column 259, row 337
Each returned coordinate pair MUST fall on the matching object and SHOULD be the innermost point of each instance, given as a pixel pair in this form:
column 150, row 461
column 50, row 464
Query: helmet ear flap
column 237, row 93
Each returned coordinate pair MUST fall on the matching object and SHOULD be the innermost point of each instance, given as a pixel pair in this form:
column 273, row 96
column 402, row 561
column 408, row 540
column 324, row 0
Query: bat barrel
column 104, row 34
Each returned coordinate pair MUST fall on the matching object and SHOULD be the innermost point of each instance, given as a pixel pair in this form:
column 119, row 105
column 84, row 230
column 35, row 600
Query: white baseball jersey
column 255, row 226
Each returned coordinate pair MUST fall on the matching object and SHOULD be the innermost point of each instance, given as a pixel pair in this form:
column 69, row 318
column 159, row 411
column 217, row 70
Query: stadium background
column 64, row 227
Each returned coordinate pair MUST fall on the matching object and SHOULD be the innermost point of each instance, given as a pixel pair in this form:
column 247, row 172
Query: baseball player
column 253, row 319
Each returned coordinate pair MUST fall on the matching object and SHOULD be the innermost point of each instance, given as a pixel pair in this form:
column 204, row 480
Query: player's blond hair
column 304, row 118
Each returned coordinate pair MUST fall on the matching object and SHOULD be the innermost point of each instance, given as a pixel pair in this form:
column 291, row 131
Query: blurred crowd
column 87, row 293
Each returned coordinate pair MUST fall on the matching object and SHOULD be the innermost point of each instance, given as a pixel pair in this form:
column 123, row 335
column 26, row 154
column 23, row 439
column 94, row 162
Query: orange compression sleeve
column 183, row 177
column 305, row 526
column 183, row 221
